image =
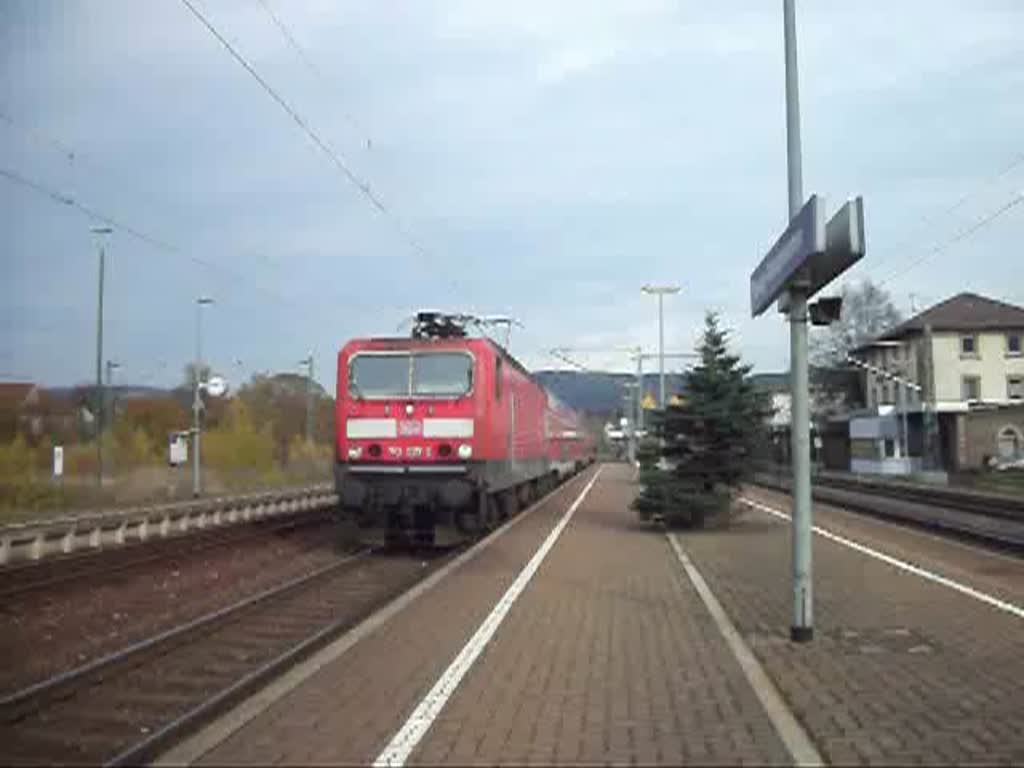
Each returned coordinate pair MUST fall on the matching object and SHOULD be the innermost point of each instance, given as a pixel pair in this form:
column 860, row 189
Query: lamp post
column 639, row 388
column 108, row 404
column 197, row 402
column 660, row 291
column 308, row 362
column 101, row 233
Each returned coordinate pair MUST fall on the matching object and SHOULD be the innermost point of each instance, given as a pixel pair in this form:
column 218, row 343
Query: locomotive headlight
column 355, row 452
column 465, row 451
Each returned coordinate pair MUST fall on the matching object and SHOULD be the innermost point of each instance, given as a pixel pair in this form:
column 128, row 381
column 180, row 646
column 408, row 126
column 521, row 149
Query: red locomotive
column 441, row 436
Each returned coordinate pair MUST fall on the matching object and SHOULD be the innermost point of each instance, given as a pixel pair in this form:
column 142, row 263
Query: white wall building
column 964, row 356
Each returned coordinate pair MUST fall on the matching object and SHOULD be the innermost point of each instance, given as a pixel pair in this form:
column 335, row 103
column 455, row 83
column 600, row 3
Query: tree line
column 255, row 437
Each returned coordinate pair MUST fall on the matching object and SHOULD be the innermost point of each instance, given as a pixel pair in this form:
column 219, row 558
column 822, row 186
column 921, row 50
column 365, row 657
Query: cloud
column 546, row 159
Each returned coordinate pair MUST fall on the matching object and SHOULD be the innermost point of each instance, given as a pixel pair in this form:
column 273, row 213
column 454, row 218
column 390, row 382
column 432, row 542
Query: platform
column 577, row 635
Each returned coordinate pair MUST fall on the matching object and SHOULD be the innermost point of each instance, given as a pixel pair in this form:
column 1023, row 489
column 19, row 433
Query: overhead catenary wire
column 335, row 157
column 120, row 225
column 959, row 236
column 925, row 219
column 559, row 355
column 307, row 60
column 73, row 155
column 68, row 152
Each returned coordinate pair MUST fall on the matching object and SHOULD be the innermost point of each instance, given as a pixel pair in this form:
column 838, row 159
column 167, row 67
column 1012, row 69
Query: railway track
column 124, row 707
column 30, row 576
column 992, row 520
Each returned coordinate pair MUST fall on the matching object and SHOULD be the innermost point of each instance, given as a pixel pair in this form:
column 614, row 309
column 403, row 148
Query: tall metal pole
column 904, row 402
column 100, row 394
column 802, row 629
column 309, row 400
column 661, row 351
column 100, row 232
column 197, row 403
column 639, row 388
column 109, row 406
column 660, row 292
column 928, row 401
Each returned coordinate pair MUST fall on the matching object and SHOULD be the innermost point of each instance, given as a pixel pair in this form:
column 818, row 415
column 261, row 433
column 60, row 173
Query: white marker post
column 58, row 469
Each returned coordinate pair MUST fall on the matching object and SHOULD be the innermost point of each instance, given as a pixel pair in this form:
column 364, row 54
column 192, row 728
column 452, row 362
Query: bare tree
column 868, row 312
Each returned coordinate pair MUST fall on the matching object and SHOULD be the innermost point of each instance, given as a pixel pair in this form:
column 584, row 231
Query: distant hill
column 590, row 391
column 600, row 392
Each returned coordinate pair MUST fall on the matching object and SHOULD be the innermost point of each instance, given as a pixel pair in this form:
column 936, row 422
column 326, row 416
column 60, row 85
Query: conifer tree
column 707, row 440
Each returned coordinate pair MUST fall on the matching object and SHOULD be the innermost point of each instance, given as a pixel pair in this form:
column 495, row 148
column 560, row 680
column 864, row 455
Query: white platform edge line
column 917, row 570
column 798, row 743
column 415, row 728
column 194, row 747
column 911, row 530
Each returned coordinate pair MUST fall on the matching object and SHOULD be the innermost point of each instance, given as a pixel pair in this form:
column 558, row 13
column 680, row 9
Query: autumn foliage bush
column 255, row 439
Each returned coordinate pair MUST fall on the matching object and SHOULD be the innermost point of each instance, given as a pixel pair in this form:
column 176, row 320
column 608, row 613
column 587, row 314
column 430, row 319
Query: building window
column 1013, row 344
column 970, row 388
column 968, row 346
column 1015, row 387
column 890, row 448
column 1009, row 443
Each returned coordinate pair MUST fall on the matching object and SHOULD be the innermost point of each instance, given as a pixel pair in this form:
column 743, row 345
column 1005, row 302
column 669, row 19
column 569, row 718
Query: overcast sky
column 535, row 158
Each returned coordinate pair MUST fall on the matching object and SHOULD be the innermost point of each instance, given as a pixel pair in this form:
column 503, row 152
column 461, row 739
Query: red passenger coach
column 440, row 438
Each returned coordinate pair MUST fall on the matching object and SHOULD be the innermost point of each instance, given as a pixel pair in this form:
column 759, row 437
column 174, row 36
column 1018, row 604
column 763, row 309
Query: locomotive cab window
column 402, row 375
column 375, row 376
column 498, row 368
column 442, row 374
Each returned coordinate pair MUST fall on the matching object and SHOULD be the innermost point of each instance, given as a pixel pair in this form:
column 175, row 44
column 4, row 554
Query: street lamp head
column 101, row 230
column 656, row 289
column 204, row 300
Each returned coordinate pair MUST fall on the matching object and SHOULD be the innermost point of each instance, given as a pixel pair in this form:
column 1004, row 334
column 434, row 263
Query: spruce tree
column 707, row 440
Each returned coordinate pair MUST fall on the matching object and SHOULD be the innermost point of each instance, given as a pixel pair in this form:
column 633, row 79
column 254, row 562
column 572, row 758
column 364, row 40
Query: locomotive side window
column 441, row 374
column 379, row 375
column 498, row 368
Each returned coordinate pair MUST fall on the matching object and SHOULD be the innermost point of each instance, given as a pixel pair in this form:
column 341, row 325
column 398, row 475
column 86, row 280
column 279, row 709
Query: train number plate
column 410, row 428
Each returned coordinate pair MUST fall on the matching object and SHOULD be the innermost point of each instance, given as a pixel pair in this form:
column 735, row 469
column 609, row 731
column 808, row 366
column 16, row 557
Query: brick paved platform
column 609, row 655
column 903, row 670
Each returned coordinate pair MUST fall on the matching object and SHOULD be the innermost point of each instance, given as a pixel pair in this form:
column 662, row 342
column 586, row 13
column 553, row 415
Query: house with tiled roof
column 18, row 402
column 945, row 389
column 28, row 410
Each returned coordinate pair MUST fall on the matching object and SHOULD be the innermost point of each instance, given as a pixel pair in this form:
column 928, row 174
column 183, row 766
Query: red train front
column 439, row 439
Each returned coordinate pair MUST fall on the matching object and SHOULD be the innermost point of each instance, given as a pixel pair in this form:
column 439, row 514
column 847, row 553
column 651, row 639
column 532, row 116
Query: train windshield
column 379, row 375
column 442, row 374
column 433, row 374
